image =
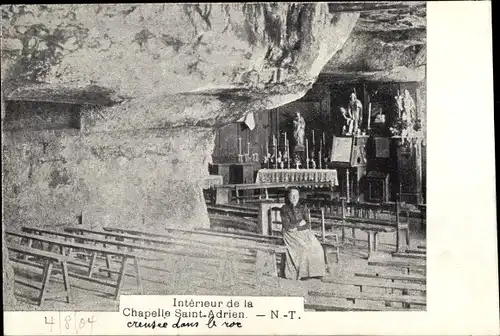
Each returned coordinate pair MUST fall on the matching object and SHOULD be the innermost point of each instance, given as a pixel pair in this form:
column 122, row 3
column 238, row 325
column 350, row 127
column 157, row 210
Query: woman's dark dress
column 305, row 256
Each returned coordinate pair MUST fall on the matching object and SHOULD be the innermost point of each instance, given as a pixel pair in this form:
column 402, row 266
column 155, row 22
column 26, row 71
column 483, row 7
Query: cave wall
column 129, row 179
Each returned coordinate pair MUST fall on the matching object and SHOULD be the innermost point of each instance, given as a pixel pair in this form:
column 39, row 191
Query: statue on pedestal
column 355, row 110
column 347, row 129
column 299, row 130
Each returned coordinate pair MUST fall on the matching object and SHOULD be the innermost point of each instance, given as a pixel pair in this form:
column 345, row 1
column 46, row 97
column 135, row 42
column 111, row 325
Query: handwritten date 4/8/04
column 70, row 321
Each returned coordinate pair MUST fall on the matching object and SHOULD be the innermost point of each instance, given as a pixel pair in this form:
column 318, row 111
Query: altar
column 297, row 175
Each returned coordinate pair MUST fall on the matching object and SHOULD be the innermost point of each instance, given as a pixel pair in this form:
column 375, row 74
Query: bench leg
column 47, row 272
column 138, row 275
column 375, row 241
column 370, row 244
column 398, row 240
column 325, row 253
column 121, row 275
column 65, row 275
column 353, row 235
column 274, row 265
column 108, row 265
column 92, row 264
column 408, row 237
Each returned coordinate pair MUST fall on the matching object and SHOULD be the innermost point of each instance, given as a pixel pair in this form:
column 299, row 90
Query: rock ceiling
column 105, row 54
column 388, row 43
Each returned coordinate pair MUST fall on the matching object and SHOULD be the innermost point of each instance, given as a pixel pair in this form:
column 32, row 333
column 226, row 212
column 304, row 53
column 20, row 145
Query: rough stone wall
column 125, row 179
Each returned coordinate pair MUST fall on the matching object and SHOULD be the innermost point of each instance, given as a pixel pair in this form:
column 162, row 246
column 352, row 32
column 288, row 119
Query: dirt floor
column 218, row 273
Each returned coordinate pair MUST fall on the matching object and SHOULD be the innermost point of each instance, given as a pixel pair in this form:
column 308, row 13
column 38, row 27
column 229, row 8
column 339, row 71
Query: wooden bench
column 120, row 240
column 223, row 191
column 351, row 212
column 336, row 307
column 339, row 307
column 409, row 255
column 360, row 283
column 49, row 259
column 267, row 250
column 94, row 250
column 399, row 264
column 372, row 230
column 406, row 300
column 420, row 251
column 231, row 211
column 394, row 277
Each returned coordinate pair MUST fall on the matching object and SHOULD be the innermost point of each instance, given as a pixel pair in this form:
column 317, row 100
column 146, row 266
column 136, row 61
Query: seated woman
column 304, row 257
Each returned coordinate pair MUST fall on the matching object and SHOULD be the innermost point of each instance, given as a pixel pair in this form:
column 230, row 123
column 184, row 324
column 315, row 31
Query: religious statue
column 348, row 127
column 299, row 129
column 409, row 108
column 408, row 122
column 355, row 110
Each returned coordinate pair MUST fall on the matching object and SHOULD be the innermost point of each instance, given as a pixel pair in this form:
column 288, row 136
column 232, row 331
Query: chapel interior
column 148, row 148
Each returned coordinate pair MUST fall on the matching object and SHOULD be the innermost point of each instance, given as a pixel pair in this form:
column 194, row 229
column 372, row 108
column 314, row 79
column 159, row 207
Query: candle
column 274, row 140
column 314, row 141
column 324, row 141
column 285, row 139
column 267, row 148
column 248, row 148
column 239, row 146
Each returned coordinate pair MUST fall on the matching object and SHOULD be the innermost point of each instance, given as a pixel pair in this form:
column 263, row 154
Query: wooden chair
column 275, row 224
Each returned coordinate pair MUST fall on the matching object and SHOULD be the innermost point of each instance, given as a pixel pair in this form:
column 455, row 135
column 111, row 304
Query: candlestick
column 369, row 114
column 288, row 153
column 239, row 146
column 307, row 154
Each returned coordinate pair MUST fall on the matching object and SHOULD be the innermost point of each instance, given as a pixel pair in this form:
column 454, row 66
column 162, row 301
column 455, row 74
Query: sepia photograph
column 215, row 149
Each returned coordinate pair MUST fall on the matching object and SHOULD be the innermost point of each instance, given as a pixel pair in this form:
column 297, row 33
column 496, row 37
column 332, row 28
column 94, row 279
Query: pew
column 406, row 300
column 406, row 266
column 232, row 211
column 339, row 307
column 360, row 283
column 50, row 259
column 267, row 249
column 394, row 277
column 121, row 243
column 409, row 255
column 223, row 192
column 373, row 226
column 94, row 250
